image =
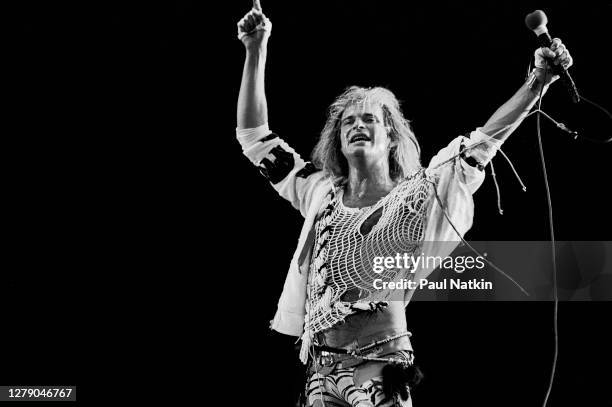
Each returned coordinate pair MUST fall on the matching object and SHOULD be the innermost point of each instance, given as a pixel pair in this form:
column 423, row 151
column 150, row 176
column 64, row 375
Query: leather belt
column 327, row 359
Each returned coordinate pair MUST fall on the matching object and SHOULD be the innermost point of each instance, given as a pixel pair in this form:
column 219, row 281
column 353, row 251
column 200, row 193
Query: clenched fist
column 557, row 54
column 254, row 28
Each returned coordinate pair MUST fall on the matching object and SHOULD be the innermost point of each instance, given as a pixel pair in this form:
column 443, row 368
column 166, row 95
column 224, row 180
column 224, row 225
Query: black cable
column 603, row 110
column 554, row 254
column 490, row 263
column 575, row 134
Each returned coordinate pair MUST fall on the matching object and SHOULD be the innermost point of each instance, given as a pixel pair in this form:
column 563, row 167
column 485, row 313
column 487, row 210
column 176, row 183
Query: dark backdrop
column 140, row 222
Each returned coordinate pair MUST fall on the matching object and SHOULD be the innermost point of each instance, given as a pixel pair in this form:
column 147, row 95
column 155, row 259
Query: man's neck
column 370, row 182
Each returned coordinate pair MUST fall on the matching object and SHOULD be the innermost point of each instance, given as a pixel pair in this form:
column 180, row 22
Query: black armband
column 269, row 137
column 308, row 169
column 470, row 160
column 275, row 171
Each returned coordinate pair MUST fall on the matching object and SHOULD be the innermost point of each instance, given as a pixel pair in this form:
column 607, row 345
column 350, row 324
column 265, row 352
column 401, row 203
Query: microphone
column 536, row 22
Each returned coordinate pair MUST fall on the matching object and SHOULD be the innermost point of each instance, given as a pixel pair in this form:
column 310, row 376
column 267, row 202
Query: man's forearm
column 510, row 115
column 252, row 106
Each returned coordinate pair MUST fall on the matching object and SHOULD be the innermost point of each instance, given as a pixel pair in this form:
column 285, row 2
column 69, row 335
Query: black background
column 147, row 249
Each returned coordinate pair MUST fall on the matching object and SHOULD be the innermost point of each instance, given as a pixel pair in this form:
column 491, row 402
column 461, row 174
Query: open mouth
column 359, row 137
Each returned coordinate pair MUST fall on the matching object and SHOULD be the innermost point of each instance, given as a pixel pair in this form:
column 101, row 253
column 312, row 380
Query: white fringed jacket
column 307, row 191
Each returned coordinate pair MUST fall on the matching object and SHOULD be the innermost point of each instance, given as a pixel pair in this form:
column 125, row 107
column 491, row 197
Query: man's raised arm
column 253, row 30
column 508, row 117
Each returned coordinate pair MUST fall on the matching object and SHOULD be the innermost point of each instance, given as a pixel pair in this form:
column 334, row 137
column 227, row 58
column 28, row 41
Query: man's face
column 363, row 133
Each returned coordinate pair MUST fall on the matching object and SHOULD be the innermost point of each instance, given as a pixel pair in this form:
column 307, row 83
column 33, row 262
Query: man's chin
column 360, row 152
column 360, row 146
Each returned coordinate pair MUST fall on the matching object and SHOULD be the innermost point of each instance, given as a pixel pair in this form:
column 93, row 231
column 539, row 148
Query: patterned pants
column 339, row 389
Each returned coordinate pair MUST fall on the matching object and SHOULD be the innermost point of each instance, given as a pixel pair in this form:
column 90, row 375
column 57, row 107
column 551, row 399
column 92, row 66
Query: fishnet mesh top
column 341, row 271
column 456, row 181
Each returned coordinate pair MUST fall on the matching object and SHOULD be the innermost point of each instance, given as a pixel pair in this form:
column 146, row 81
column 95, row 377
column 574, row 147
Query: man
column 366, row 196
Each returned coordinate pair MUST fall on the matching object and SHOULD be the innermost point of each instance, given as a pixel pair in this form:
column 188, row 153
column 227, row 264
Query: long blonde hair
column 404, row 155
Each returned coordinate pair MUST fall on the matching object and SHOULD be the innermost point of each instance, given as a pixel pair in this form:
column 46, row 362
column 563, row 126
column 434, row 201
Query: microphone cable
column 603, row 110
column 552, row 236
column 539, row 112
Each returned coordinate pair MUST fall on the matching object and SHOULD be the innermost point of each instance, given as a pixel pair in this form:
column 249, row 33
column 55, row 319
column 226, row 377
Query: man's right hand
column 254, row 28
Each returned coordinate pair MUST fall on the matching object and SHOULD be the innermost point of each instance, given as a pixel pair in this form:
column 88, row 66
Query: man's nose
column 359, row 124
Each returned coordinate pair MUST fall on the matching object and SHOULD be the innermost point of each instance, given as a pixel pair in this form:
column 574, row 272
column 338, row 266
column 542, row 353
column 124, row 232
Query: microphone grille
column 536, row 19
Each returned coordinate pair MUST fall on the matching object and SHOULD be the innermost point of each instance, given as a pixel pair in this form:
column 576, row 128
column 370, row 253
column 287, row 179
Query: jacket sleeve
column 293, row 178
column 457, row 171
column 463, row 160
column 455, row 182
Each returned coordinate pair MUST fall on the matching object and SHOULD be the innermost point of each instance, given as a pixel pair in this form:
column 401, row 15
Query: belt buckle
column 326, row 359
column 374, row 351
